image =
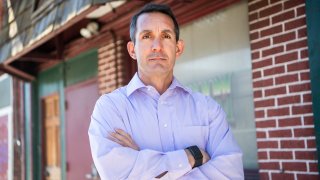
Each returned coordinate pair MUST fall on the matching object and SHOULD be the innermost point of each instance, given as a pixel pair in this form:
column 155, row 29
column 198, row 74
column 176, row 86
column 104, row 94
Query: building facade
column 259, row 59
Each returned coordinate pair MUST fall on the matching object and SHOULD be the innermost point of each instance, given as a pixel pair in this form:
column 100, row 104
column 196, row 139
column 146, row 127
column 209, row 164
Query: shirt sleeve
column 226, row 156
column 116, row 162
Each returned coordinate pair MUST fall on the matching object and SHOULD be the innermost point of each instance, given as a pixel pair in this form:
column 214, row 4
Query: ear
column 130, row 48
column 179, row 48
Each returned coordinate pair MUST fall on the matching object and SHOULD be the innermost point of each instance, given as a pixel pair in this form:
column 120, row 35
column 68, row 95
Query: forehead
column 154, row 20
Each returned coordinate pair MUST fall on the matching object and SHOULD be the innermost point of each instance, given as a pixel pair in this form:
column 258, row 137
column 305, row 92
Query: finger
column 121, row 138
column 117, row 141
column 123, row 133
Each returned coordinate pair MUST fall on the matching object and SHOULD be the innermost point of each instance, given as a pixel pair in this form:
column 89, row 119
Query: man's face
column 155, row 48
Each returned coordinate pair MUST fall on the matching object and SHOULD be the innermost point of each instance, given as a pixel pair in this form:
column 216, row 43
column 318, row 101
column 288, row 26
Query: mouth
column 156, row 59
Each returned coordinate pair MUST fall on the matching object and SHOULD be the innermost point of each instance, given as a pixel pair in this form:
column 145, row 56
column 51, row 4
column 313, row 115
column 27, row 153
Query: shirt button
column 165, row 125
column 149, row 88
column 180, row 165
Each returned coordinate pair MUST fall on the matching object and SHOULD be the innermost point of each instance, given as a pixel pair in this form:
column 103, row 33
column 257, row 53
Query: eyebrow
column 164, row 31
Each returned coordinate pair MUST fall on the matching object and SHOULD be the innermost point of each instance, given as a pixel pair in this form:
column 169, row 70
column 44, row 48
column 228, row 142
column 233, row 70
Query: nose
column 156, row 45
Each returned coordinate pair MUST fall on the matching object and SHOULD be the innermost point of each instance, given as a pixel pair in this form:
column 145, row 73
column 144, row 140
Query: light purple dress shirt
column 162, row 126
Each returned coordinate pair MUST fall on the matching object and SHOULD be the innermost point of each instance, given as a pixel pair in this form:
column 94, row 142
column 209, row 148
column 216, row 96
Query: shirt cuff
column 178, row 162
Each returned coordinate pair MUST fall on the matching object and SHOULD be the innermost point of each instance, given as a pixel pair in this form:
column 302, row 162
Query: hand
column 124, row 139
column 191, row 159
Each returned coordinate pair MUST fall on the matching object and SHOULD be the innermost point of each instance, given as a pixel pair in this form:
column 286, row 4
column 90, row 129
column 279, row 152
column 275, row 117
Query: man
column 154, row 127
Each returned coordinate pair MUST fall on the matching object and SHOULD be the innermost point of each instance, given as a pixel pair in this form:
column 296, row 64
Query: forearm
column 120, row 162
column 222, row 167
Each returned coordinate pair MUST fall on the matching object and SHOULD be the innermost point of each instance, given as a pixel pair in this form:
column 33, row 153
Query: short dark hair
column 149, row 8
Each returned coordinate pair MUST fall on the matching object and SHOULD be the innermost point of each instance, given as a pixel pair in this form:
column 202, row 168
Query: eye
column 146, row 36
column 167, row 36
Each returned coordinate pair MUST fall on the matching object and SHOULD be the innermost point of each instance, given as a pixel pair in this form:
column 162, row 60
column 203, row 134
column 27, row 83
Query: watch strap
column 197, row 155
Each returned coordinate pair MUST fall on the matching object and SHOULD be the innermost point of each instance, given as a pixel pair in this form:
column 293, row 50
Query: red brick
column 259, row 114
column 302, row 33
column 304, row 109
column 300, row 87
column 286, row 57
column 256, row 74
column 270, row 10
column 272, row 30
column 308, row 176
column 264, row 103
column 257, row 94
column 294, row 166
column 289, row 100
column 264, row 175
column 311, row 143
column 260, row 44
column 261, row 134
column 259, row 24
column 287, row 122
column 304, row 53
column 269, row 165
column 263, row 63
column 275, row 91
column 265, row 124
column 283, row 17
column 295, row 23
column 284, row 176
column 273, row 71
column 293, row 3
column 301, row 65
column 254, row 36
column 304, row 76
column 313, row 167
column 274, row 1
column 287, row 78
column 304, row 132
column 307, row 98
column 309, row 155
column 296, row 45
column 253, row 17
column 278, row 112
column 301, row 11
column 263, row 83
column 308, row 120
column 280, row 133
column 292, row 144
column 267, row 144
column 255, row 55
column 284, row 37
column 281, row 155
column 272, row 51
column 257, row 5
column 262, row 155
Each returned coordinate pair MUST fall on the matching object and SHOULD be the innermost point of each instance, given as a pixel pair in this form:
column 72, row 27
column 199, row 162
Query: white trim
column 3, row 77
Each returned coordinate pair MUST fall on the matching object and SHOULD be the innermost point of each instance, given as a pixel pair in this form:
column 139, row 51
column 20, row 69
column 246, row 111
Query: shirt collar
column 136, row 83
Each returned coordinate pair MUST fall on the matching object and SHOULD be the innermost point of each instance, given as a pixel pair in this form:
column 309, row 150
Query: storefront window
column 217, row 62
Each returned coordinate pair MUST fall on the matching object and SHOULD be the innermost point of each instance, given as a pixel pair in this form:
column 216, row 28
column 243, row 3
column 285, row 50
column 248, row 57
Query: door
column 80, row 101
column 52, row 137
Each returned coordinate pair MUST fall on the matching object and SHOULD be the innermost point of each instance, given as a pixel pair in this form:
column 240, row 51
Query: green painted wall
column 313, row 29
column 54, row 80
column 5, row 92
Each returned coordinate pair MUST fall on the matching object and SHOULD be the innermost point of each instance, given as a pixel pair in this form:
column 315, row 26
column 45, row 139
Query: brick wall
column 115, row 68
column 282, row 95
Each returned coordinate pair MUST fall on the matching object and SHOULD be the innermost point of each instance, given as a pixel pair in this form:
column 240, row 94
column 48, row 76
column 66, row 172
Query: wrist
column 197, row 155
column 190, row 158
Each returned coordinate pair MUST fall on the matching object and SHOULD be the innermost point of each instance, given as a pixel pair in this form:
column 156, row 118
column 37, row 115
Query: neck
column 160, row 82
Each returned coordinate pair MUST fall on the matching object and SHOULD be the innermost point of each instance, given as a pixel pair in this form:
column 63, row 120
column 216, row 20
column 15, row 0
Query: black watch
column 197, row 155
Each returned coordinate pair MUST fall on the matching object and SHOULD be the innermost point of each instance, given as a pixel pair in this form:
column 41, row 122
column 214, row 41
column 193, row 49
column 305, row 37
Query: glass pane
column 217, row 62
